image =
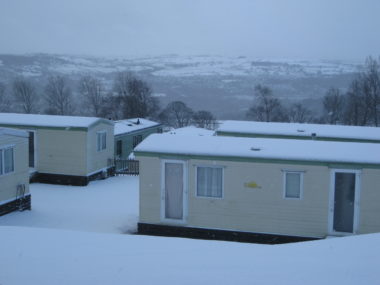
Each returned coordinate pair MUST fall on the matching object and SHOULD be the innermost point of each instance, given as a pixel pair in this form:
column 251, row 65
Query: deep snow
column 73, row 236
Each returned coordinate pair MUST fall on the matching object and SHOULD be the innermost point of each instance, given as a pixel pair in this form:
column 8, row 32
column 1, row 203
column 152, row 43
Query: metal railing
column 126, row 167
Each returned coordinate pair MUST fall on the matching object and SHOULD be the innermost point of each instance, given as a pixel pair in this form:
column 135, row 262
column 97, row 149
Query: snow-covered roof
column 13, row 132
column 259, row 148
column 301, row 130
column 131, row 125
column 48, row 120
column 192, row 131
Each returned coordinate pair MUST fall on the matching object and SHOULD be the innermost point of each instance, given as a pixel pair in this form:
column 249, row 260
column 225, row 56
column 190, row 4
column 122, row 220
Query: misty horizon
column 293, row 29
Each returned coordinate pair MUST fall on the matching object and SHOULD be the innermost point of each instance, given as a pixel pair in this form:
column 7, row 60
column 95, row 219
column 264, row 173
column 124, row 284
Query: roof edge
column 13, row 132
column 330, row 164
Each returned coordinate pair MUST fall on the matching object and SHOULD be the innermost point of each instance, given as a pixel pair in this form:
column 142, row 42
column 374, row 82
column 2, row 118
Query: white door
column 344, row 201
column 173, row 190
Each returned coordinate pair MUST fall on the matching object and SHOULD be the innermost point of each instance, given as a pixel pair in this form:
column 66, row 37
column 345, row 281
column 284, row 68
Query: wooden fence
column 126, row 166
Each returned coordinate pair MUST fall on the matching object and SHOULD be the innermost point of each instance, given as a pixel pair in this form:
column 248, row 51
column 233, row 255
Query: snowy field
column 76, row 235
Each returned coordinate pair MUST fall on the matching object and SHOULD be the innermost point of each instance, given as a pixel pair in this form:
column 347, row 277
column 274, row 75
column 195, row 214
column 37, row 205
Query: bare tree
column 356, row 111
column 110, row 107
column 204, row 119
column 4, row 100
column 176, row 114
column 333, row 106
column 266, row 107
column 25, row 95
column 58, row 96
column 135, row 96
column 92, row 91
column 371, row 89
column 298, row 113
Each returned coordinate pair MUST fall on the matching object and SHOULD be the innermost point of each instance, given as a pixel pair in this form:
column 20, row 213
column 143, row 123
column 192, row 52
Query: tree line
column 129, row 97
column 359, row 105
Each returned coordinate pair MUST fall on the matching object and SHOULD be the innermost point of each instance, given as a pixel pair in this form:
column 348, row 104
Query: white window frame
column 99, row 142
column 358, row 177
column 196, row 181
column 2, row 158
column 301, row 173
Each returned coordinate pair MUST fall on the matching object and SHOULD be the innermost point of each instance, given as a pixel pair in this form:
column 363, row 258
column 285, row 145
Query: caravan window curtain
column 8, row 160
column 101, row 140
column 293, row 185
column 210, row 182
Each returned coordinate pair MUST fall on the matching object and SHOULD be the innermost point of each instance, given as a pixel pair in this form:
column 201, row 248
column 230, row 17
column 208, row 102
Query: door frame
column 35, row 148
column 185, row 191
column 357, row 173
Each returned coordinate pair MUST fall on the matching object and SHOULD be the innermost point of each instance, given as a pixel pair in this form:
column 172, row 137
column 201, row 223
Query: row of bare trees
column 268, row 108
column 177, row 114
column 129, row 97
column 359, row 105
column 24, row 97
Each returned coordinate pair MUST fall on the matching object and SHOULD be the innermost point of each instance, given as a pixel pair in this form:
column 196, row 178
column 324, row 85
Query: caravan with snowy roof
column 66, row 149
column 14, row 172
column 130, row 132
column 250, row 189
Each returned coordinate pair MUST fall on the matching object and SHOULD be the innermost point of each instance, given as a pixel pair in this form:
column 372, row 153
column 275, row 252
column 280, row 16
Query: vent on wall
column 255, row 148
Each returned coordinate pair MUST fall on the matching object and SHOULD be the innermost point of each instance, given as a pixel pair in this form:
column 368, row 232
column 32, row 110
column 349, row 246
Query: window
column 293, row 181
column 210, row 182
column 6, row 160
column 101, row 140
column 136, row 140
column 119, row 147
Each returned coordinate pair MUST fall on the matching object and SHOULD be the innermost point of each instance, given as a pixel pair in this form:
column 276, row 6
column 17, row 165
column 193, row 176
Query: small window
column 293, row 184
column 136, row 140
column 101, row 140
column 119, row 147
column 1, row 161
column 6, row 161
column 210, row 182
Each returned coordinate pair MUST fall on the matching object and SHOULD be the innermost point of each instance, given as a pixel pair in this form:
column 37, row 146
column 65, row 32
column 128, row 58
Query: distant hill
column 223, row 85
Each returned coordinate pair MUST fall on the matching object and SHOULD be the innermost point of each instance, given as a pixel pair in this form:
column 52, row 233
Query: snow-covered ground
column 106, row 206
column 74, row 235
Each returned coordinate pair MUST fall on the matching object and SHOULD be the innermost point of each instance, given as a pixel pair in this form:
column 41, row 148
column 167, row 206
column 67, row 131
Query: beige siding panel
column 61, row 152
column 150, row 190
column 263, row 209
column 98, row 160
column 369, row 216
column 260, row 209
column 9, row 182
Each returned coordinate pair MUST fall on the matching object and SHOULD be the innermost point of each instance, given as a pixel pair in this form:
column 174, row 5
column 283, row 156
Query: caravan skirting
column 213, row 234
column 19, row 204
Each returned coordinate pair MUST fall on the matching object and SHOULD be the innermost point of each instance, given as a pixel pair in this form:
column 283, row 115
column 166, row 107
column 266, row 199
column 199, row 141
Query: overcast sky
column 310, row 29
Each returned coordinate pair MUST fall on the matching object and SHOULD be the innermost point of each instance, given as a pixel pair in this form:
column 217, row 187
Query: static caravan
column 129, row 133
column 299, row 131
column 261, row 190
column 14, row 171
column 66, row 149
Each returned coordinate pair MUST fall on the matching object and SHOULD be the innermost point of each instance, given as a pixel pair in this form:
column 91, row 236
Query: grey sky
column 331, row 29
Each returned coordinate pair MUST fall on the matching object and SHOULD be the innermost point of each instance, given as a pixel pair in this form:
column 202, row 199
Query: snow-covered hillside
column 76, row 235
column 175, row 65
